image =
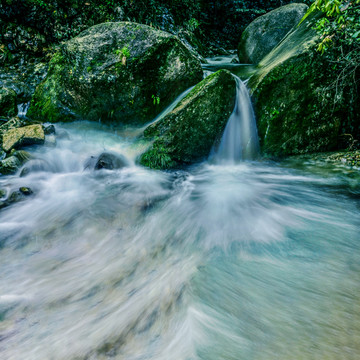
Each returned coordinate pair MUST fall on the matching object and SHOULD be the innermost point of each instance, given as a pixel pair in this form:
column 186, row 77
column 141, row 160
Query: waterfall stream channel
column 226, row 260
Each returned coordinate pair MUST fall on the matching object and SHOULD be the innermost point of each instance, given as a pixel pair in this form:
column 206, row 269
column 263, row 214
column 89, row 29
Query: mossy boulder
column 23, row 136
column 294, row 97
column 116, row 72
column 265, row 32
column 187, row 134
column 8, row 106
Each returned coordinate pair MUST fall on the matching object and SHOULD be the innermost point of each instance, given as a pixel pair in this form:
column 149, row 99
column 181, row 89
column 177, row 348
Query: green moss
column 157, row 157
column 295, row 113
column 88, row 77
column 187, row 133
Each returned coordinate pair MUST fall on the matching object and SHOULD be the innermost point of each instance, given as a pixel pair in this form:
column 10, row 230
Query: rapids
column 254, row 260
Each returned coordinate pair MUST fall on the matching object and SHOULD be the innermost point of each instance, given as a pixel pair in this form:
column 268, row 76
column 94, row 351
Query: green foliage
column 157, row 157
column 192, row 24
column 156, row 99
column 339, row 45
column 341, row 25
column 57, row 21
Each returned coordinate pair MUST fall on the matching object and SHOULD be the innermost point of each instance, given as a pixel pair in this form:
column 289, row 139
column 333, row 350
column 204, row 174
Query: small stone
column 111, row 161
column 49, row 130
column 26, row 191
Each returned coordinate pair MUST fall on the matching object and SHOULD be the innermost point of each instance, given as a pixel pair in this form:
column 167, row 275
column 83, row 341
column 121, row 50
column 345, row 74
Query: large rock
column 119, row 72
column 23, row 136
column 265, row 32
column 8, row 107
column 188, row 132
column 294, row 94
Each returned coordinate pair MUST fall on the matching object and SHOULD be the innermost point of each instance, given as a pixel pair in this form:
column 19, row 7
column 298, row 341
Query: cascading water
column 22, row 109
column 249, row 261
column 240, row 139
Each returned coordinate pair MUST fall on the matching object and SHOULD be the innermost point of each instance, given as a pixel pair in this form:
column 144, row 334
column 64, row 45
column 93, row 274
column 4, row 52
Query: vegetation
column 339, row 45
column 35, row 25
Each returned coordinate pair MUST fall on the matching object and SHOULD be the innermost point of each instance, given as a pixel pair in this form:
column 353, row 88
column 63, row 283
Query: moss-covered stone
column 118, row 72
column 9, row 165
column 294, row 98
column 23, row 136
column 187, row 133
column 13, row 162
column 8, row 107
column 265, row 32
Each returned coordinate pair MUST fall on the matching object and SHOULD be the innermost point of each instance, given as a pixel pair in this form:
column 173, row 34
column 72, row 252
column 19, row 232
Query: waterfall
column 22, row 109
column 240, row 140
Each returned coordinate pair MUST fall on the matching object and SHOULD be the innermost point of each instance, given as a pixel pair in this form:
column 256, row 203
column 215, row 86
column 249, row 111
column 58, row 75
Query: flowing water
column 240, row 139
column 252, row 260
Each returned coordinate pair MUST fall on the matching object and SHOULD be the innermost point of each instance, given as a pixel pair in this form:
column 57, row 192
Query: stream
column 245, row 261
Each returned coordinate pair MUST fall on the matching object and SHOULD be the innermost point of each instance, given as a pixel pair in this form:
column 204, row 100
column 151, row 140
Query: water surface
column 251, row 261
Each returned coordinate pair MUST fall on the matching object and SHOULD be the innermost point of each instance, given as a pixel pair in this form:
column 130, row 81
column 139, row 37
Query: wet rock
column 117, row 72
column 293, row 100
column 26, row 191
column 8, row 105
column 16, row 196
column 24, row 136
column 187, row 133
column 19, row 195
column 49, row 130
column 90, row 163
column 2, row 193
column 111, row 161
column 11, row 164
column 34, row 165
column 265, row 32
column 22, row 155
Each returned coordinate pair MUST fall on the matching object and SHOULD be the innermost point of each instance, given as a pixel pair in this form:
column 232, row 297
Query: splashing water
column 250, row 261
column 240, row 140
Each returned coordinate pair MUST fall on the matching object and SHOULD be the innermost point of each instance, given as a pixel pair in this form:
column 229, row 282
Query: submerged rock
column 117, row 72
column 16, row 196
column 111, row 161
column 188, row 132
column 35, row 165
column 265, row 32
column 8, row 105
column 23, row 136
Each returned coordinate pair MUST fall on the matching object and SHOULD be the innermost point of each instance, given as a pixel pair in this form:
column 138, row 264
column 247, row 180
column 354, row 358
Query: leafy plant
column 123, row 53
column 156, row 99
column 157, row 157
column 192, row 24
